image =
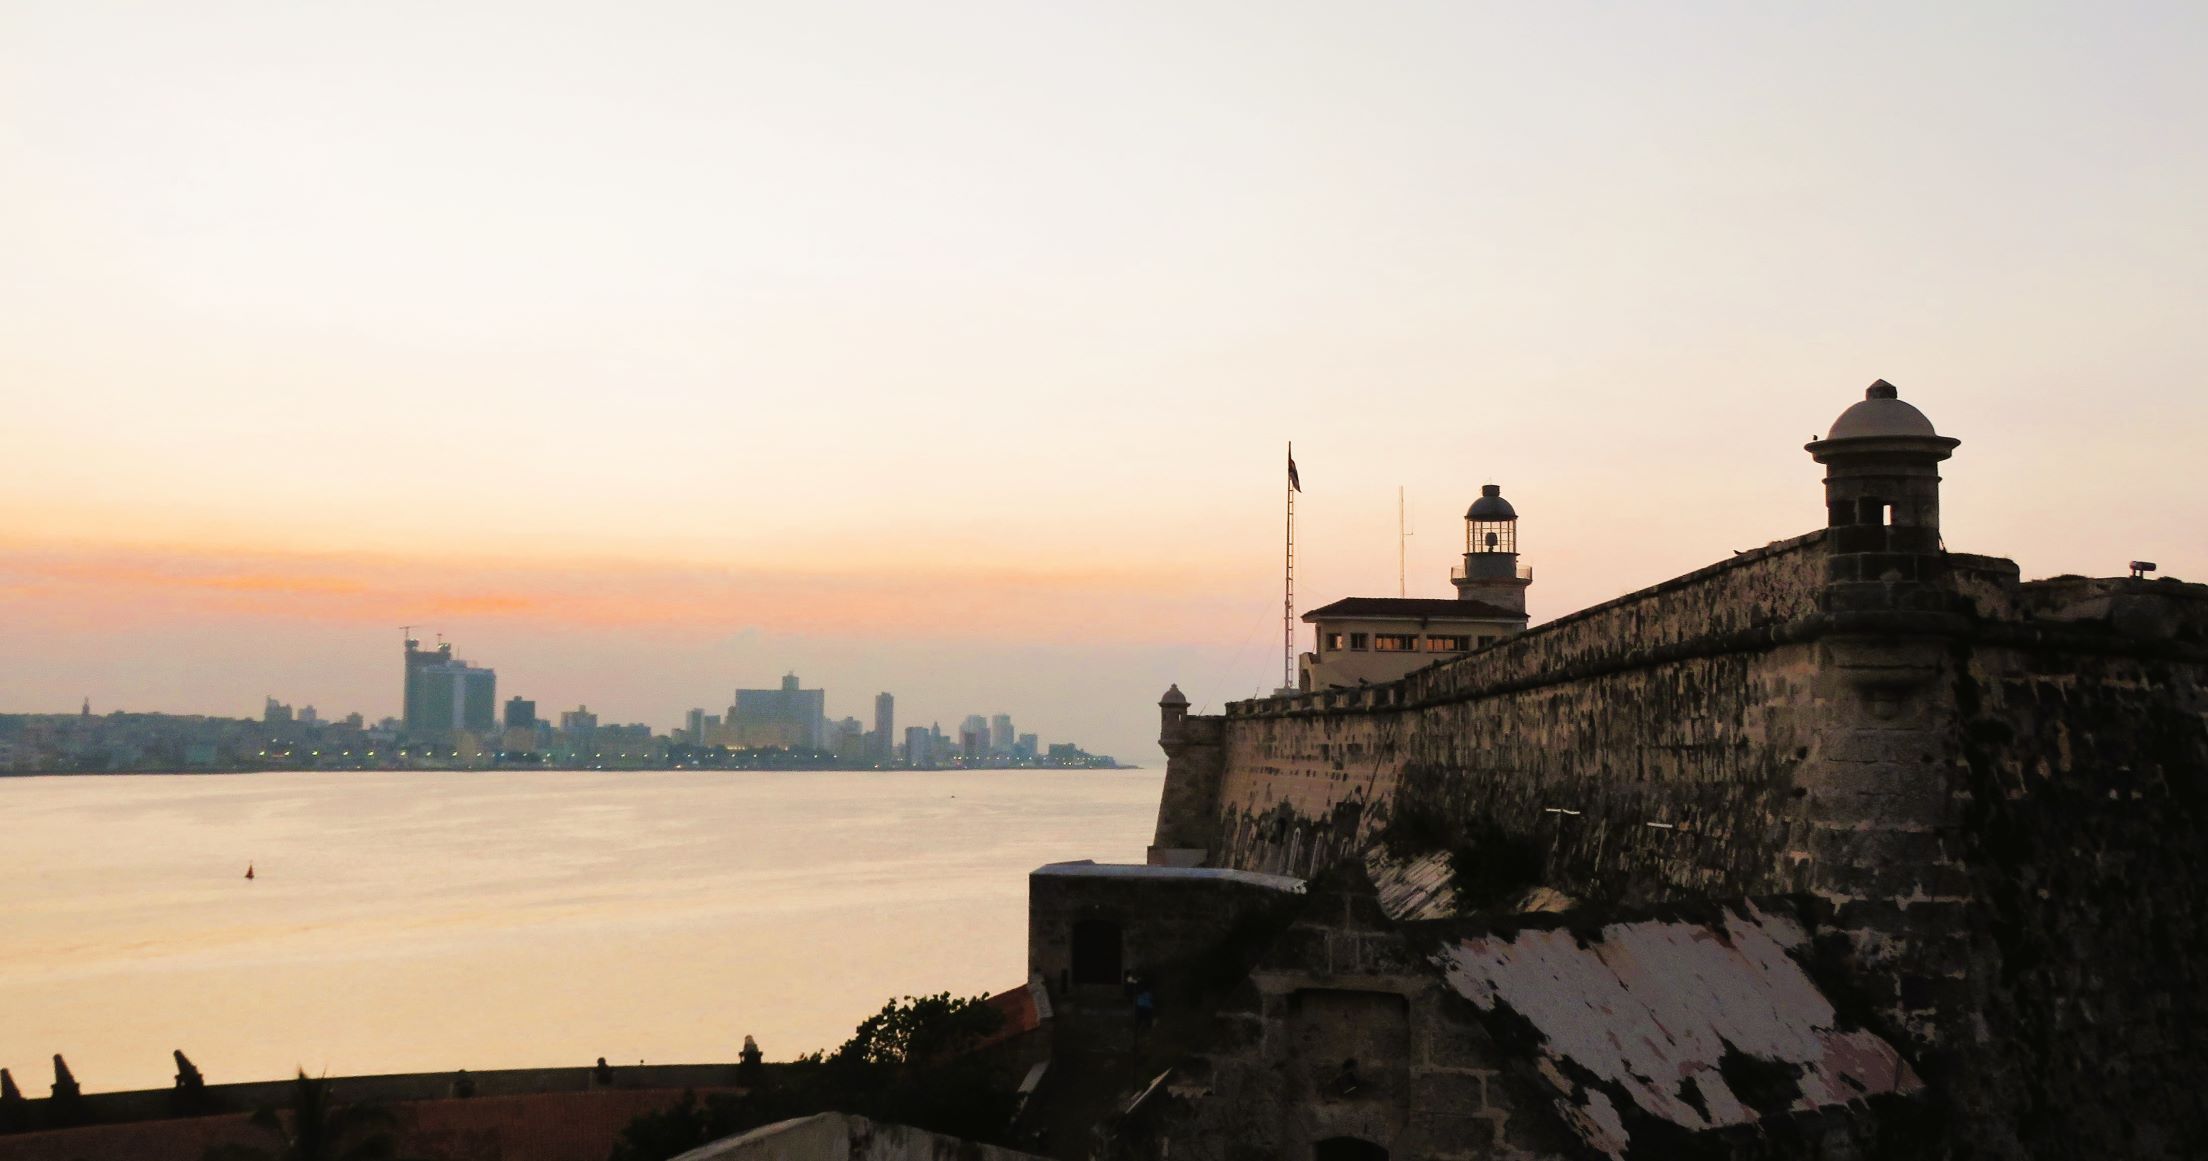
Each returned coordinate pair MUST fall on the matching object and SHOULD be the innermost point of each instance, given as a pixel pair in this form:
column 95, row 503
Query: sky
column 650, row 351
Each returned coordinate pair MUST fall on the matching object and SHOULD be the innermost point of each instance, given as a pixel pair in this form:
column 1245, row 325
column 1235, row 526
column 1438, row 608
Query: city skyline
column 953, row 349
column 452, row 707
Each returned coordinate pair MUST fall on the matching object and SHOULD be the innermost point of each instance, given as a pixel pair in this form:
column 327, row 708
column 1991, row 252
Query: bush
column 913, row 1063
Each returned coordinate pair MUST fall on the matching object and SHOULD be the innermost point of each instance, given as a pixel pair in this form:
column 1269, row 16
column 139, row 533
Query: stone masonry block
column 1448, row 1092
column 1300, row 948
column 1382, row 954
column 1839, row 847
column 1452, row 1043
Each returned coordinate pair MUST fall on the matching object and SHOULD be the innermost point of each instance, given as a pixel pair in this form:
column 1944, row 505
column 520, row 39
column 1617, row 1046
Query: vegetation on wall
column 915, row 1062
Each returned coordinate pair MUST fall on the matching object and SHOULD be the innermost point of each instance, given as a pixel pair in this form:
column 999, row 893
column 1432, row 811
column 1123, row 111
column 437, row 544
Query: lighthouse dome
column 1491, row 505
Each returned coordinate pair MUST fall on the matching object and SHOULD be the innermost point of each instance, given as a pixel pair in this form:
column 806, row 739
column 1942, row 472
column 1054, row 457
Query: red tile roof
column 1423, row 608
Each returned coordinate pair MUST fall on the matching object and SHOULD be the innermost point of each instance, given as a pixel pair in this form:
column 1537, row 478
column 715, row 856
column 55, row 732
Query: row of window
column 1405, row 642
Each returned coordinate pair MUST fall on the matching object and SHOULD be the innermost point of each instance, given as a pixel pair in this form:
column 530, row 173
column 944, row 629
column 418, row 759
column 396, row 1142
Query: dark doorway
column 1348, row 1149
column 1096, row 952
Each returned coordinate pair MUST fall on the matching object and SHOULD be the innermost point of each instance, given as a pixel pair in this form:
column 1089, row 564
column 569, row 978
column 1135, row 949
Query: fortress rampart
column 1994, row 793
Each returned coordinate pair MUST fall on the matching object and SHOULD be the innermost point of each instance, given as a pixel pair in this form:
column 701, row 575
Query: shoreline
column 569, row 769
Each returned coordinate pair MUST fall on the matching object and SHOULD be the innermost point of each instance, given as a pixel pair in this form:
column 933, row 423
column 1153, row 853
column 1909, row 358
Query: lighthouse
column 1490, row 573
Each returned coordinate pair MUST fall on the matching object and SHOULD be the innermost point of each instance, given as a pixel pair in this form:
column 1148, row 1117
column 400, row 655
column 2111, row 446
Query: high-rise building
column 579, row 721
column 885, row 726
column 444, row 695
column 790, row 717
column 847, row 739
column 274, row 713
column 919, row 748
column 973, row 736
column 521, row 714
column 1000, row 734
column 1026, row 747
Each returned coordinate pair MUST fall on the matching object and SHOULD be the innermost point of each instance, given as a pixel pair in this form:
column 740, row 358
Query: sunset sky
column 647, row 351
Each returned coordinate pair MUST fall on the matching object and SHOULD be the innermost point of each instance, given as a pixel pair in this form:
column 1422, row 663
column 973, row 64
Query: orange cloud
column 113, row 585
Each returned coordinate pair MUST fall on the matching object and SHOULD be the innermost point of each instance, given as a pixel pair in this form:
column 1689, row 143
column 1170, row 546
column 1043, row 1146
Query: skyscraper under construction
column 444, row 695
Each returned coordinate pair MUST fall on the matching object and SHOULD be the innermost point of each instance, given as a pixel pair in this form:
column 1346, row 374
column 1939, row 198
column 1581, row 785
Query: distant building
column 973, row 737
column 1369, row 640
column 919, row 748
column 885, row 726
column 444, row 695
column 1027, row 747
column 521, row 714
column 1000, row 734
column 274, row 713
column 579, row 721
column 847, row 740
column 790, row 717
column 517, row 741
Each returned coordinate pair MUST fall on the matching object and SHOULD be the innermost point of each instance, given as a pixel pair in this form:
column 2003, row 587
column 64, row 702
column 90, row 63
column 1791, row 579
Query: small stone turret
column 1190, row 797
column 1172, row 711
column 1882, row 499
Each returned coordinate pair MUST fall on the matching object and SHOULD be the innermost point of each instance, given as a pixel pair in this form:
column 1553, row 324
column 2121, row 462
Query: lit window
column 1333, row 642
column 1357, row 641
column 1395, row 642
column 1448, row 644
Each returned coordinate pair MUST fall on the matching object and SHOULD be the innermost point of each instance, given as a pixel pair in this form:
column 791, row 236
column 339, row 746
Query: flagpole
column 1288, row 600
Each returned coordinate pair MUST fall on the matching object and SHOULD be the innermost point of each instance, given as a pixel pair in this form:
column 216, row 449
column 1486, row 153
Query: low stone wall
column 565, row 1126
column 387, row 1088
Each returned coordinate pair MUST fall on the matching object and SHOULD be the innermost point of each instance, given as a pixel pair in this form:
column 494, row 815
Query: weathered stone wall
column 2084, row 815
column 1554, row 751
column 1340, row 1032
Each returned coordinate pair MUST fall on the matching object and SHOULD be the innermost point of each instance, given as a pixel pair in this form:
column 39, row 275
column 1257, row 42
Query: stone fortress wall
column 1996, row 792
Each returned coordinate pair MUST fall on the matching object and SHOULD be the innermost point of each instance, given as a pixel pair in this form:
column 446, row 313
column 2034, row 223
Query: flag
column 1294, row 484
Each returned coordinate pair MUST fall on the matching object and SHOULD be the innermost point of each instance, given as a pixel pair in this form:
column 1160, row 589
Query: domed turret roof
column 1174, row 696
column 1881, row 414
column 1491, row 505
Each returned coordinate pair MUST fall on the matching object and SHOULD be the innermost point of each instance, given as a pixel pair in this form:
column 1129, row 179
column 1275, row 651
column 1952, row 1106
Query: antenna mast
column 1288, row 600
column 1399, row 536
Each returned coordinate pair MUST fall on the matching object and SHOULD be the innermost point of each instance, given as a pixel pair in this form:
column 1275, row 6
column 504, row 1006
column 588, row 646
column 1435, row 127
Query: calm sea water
column 419, row 922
